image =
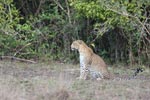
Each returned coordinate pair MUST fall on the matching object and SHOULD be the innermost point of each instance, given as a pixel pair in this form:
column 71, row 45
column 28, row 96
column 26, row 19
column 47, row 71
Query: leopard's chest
column 82, row 59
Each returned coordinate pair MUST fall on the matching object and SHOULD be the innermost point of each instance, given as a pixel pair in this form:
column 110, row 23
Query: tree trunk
column 131, row 59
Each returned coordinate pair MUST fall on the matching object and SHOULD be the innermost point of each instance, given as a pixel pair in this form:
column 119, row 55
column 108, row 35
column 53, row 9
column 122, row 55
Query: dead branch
column 21, row 49
column 17, row 59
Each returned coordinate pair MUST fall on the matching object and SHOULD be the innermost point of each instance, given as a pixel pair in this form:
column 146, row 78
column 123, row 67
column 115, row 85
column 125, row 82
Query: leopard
column 90, row 63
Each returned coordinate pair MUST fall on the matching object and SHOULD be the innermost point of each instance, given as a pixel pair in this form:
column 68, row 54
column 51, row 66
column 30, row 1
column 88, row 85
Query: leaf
column 93, row 45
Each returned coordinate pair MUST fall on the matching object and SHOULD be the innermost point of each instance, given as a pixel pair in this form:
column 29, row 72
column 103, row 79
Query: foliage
column 9, row 19
column 127, row 20
column 116, row 30
column 43, row 35
column 9, row 16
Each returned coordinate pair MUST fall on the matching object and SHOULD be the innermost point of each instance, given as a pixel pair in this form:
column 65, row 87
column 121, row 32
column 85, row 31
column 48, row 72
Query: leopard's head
column 76, row 44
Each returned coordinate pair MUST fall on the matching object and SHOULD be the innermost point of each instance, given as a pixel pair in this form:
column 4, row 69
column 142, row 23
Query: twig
column 68, row 11
column 18, row 59
column 21, row 49
column 58, row 4
column 39, row 7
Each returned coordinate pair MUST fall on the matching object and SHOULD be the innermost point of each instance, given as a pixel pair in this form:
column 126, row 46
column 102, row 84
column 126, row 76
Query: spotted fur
column 90, row 63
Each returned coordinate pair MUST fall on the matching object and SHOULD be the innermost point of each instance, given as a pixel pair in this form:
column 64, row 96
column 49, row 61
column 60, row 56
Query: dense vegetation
column 118, row 30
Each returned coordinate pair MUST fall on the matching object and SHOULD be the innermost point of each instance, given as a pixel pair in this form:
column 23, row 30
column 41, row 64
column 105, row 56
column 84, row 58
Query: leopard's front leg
column 83, row 72
column 83, row 67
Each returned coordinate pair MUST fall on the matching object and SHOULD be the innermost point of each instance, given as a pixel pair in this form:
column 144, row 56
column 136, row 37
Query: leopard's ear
column 80, row 41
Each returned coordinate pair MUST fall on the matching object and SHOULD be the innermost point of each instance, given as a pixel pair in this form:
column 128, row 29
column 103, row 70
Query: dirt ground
column 57, row 81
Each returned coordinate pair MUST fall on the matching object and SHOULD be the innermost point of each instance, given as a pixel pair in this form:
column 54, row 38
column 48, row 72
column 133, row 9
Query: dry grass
column 55, row 81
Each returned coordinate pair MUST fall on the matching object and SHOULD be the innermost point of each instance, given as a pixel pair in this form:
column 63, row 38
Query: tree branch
column 39, row 7
column 18, row 59
column 60, row 6
column 128, row 15
column 68, row 11
column 21, row 49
